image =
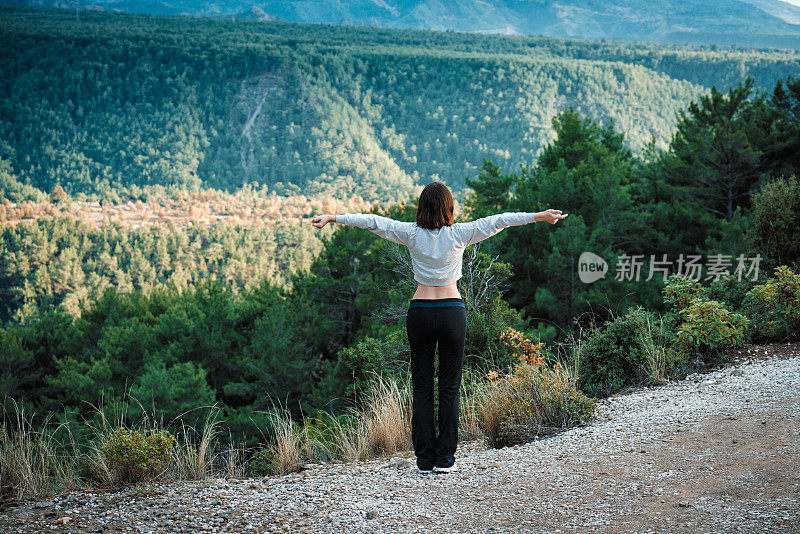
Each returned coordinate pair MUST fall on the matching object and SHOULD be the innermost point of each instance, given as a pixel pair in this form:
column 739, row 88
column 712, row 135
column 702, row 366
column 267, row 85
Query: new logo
column 591, row 267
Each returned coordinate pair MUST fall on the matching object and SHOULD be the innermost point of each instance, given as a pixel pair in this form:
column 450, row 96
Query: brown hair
column 435, row 206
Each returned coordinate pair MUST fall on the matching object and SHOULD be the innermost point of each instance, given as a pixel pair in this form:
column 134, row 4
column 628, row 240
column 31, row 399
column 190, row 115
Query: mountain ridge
column 762, row 23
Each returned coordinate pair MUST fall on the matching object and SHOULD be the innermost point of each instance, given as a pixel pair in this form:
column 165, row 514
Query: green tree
column 715, row 154
column 179, row 391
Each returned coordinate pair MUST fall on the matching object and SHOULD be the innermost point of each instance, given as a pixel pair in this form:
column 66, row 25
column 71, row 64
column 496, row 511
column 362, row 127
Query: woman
column 436, row 313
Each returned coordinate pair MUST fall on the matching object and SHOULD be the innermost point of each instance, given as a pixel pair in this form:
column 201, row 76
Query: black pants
column 427, row 326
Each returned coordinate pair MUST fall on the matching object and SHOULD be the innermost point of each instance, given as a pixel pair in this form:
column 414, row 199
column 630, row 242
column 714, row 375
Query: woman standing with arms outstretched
column 436, row 313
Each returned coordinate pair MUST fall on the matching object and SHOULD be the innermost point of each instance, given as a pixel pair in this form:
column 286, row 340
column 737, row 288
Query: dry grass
column 381, row 427
column 286, row 447
column 233, row 462
column 194, row 458
column 387, row 418
column 471, row 405
column 33, row 463
column 656, row 354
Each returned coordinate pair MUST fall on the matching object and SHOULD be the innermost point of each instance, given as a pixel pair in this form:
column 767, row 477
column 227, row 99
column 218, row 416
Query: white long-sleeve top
column 436, row 255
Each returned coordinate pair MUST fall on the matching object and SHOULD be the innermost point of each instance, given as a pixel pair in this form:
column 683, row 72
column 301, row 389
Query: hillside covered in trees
column 112, row 101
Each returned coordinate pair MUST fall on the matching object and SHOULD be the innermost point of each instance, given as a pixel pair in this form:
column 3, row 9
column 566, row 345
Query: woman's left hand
column 321, row 220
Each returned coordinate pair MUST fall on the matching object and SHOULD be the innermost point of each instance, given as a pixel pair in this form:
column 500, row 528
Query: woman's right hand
column 321, row 220
column 551, row 216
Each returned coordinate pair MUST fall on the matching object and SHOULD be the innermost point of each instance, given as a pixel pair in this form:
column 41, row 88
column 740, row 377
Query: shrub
column 136, row 455
column 263, row 462
column 483, row 345
column 614, row 355
column 706, row 329
column 522, row 349
column 680, row 291
column 730, row 291
column 529, row 401
column 776, row 221
column 370, row 356
column 774, row 307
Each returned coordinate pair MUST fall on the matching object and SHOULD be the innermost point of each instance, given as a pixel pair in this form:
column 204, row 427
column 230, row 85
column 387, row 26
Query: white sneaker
column 445, row 469
column 425, row 471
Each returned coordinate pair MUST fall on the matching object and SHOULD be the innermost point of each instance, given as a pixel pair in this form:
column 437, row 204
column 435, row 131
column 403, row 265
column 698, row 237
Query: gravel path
column 718, row 452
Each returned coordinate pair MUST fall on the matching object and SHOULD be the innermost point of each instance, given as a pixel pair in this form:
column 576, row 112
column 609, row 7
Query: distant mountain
column 256, row 13
column 762, row 23
column 790, row 12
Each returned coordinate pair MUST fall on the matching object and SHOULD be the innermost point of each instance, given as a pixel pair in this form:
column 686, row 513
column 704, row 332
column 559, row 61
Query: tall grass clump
column 34, row 463
column 470, row 404
column 284, row 453
column 387, row 417
column 194, row 454
column 660, row 358
column 380, row 425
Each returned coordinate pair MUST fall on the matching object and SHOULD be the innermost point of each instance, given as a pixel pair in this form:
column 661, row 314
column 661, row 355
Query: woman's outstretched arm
column 385, row 227
column 480, row 229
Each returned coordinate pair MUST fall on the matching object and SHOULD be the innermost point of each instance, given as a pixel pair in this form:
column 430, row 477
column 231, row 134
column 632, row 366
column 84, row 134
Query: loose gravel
column 717, row 452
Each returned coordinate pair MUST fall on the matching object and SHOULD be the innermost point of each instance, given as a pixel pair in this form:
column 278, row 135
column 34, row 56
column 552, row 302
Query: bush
column 134, row 455
column 263, row 463
column 730, row 291
column 706, row 329
column 371, row 356
column 680, row 291
column 531, row 400
column 615, row 355
column 522, row 349
column 774, row 307
column 484, row 346
column 776, row 221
